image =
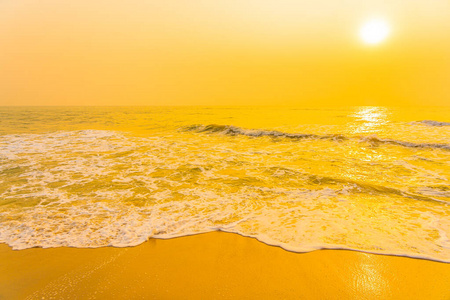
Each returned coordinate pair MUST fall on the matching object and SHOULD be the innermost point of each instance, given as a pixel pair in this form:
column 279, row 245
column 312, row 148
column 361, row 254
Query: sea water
column 374, row 179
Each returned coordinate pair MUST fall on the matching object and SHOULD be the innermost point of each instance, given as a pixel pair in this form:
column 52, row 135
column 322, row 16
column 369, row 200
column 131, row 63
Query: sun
column 374, row 31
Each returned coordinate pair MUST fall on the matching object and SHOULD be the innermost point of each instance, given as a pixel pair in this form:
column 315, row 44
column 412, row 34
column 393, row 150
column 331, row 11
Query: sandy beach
column 215, row 266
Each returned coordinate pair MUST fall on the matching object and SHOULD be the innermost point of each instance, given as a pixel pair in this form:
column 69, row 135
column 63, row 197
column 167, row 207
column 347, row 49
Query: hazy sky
column 226, row 52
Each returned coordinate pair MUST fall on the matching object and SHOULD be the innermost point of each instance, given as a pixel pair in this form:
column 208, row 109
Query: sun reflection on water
column 369, row 119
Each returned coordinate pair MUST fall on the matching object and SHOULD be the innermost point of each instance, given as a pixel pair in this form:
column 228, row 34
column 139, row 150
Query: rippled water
column 366, row 178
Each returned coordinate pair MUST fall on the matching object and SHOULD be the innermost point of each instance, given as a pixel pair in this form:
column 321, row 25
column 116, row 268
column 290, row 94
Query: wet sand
column 216, row 266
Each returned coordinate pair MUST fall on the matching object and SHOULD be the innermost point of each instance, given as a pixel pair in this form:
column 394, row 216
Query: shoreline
column 284, row 247
column 216, row 265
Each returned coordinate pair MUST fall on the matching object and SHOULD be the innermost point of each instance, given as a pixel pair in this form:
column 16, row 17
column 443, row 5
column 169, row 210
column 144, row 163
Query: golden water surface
column 374, row 179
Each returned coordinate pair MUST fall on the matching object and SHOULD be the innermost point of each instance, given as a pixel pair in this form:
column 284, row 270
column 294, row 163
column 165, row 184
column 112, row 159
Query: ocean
column 373, row 179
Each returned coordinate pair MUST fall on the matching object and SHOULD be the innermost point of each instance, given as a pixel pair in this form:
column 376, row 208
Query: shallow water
column 374, row 179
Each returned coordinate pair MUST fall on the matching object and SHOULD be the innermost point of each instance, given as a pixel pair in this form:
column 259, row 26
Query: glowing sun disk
column 374, row 31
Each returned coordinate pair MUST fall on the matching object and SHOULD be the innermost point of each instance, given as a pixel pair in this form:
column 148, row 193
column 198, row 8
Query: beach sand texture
column 215, row 266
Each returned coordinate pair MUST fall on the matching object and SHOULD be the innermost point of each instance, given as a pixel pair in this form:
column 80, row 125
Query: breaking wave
column 430, row 123
column 372, row 140
column 376, row 141
column 234, row 130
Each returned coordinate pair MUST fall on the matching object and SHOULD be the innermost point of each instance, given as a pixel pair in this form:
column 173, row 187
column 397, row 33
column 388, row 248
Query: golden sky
column 225, row 52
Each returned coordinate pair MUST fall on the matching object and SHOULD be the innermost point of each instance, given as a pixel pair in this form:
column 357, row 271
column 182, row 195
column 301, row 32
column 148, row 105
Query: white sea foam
column 103, row 188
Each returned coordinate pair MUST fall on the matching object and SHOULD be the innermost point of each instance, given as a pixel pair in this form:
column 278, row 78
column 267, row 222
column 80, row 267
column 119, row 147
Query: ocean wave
column 430, row 123
column 372, row 140
column 293, row 222
column 234, row 130
column 352, row 186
